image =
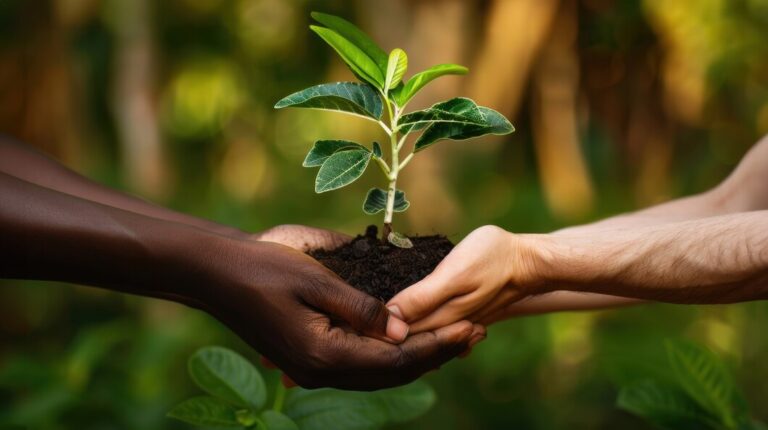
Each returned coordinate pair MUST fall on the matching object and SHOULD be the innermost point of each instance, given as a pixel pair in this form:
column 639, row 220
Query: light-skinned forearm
column 719, row 259
column 25, row 163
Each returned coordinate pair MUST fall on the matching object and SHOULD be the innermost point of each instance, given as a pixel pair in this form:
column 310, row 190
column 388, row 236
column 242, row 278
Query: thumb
column 362, row 312
column 423, row 297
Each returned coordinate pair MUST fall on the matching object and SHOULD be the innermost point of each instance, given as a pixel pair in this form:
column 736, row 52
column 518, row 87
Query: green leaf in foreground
column 405, row 93
column 376, row 201
column 348, row 97
column 348, row 410
column 396, row 67
column 357, row 60
column 358, row 38
column 341, row 168
column 459, row 111
column 322, row 149
column 274, row 420
column 228, row 376
column 665, row 407
column 206, row 411
column 706, row 380
column 495, row 123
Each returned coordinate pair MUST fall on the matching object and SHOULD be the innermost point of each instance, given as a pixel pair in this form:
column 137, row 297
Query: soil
column 382, row 269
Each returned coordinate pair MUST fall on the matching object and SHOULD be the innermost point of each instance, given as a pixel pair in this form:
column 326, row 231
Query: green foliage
column 226, row 376
column 396, row 67
column 341, row 169
column 665, row 407
column 703, row 395
column 361, row 64
column 461, row 111
column 376, row 201
column 403, row 95
column 341, row 164
column 377, row 150
column 325, row 148
column 206, row 411
column 494, row 123
column 346, row 410
column 399, row 240
column 705, row 379
column 356, row 36
column 274, row 420
column 348, row 97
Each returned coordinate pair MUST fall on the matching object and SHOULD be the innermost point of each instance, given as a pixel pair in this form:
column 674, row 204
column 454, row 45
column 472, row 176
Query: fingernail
column 397, row 329
column 475, row 340
column 394, row 310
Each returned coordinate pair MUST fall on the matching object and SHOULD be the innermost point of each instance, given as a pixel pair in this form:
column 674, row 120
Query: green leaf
column 206, row 411
column 405, row 93
column 665, row 407
column 750, row 424
column 396, row 67
column 246, row 417
column 706, row 380
column 376, row 201
column 349, row 97
column 399, row 240
column 495, row 123
column 274, row 420
column 341, row 168
column 227, row 375
column 349, row 410
column 355, row 35
column 377, row 150
column 460, row 111
column 357, row 60
column 322, row 149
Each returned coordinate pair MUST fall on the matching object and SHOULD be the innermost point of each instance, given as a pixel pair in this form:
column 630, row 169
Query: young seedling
column 382, row 88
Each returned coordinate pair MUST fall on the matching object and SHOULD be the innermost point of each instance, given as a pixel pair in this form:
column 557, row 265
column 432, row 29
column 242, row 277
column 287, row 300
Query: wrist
column 186, row 259
column 550, row 262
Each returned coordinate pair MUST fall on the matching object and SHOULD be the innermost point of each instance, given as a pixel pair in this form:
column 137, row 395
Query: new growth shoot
column 382, row 87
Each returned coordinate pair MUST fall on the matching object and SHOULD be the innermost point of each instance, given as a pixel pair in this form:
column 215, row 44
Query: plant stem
column 279, row 397
column 391, row 190
column 393, row 171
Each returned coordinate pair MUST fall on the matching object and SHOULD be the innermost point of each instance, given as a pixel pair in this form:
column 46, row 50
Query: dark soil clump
column 382, row 270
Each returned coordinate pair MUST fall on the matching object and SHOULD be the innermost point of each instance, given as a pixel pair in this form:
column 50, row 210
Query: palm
column 303, row 238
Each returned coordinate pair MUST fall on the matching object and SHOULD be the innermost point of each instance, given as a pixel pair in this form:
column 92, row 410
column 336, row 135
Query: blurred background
column 617, row 104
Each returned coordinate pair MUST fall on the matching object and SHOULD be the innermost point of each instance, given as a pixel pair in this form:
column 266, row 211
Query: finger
column 454, row 310
column 502, row 300
column 368, row 364
column 361, row 311
column 423, row 297
column 557, row 301
column 566, row 301
column 473, row 341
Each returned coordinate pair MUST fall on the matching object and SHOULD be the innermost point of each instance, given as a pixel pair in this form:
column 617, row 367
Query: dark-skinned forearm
column 48, row 235
column 25, row 163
